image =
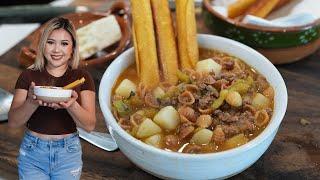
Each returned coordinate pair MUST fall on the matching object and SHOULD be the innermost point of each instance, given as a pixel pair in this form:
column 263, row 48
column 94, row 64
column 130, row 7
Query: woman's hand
column 72, row 100
column 33, row 98
column 67, row 104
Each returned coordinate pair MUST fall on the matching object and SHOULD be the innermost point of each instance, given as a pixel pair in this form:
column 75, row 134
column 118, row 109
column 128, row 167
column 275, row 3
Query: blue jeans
column 50, row 159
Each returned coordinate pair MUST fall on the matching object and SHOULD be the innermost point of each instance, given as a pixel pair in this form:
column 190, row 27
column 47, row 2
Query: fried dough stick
column 166, row 45
column 187, row 33
column 135, row 45
column 239, row 7
column 281, row 3
column 74, row 83
column 262, row 8
column 145, row 42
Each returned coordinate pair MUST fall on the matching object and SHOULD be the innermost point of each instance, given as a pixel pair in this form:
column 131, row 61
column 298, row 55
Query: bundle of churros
column 259, row 8
column 157, row 53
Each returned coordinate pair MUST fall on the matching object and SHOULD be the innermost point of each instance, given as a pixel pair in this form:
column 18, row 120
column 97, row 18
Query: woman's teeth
column 56, row 57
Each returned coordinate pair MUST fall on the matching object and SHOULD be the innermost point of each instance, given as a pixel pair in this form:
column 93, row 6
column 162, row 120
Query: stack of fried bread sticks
column 158, row 51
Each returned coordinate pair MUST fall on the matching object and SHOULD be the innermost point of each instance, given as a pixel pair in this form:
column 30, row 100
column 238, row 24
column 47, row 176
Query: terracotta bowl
column 52, row 94
column 279, row 45
column 119, row 9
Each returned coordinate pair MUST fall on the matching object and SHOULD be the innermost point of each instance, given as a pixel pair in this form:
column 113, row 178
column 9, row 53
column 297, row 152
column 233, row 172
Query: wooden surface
column 294, row 153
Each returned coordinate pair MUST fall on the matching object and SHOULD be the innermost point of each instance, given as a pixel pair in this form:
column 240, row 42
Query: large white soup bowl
column 172, row 165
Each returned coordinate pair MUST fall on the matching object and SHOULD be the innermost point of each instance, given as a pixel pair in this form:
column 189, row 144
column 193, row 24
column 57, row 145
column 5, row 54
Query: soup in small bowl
column 234, row 116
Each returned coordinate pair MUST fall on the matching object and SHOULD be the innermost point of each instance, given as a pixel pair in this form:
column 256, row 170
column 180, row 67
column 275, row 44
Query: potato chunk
column 259, row 101
column 235, row 141
column 125, row 88
column 201, row 137
column 234, row 99
column 208, row 65
column 147, row 128
column 167, row 118
column 154, row 140
column 158, row 92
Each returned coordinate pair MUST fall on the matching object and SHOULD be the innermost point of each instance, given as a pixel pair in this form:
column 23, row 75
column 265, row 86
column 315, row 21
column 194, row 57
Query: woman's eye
column 50, row 42
column 65, row 44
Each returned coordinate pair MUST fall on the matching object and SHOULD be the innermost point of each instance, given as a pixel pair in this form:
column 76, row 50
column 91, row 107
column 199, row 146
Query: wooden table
column 294, row 153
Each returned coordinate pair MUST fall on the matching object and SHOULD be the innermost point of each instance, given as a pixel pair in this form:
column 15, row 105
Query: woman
column 51, row 147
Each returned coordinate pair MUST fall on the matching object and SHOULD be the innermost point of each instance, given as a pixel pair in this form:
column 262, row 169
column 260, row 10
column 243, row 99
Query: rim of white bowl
column 51, row 88
column 52, row 92
column 273, row 125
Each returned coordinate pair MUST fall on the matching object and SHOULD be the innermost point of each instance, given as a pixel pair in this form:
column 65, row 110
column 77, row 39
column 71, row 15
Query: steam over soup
column 220, row 104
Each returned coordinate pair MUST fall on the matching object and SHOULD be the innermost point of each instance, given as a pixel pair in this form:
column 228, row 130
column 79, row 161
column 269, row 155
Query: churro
column 239, row 7
column 74, row 83
column 145, row 43
column 166, row 45
column 187, row 33
column 262, row 8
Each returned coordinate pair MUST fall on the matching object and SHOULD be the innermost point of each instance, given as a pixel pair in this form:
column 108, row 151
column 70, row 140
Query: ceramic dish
column 5, row 103
column 279, row 44
column 119, row 9
column 172, row 165
column 52, row 94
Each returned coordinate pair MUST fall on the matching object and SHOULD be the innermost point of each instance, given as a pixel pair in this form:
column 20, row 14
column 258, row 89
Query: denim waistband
column 57, row 143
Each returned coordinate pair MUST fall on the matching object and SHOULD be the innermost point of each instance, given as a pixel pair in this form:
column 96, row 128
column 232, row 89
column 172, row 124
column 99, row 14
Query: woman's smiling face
column 58, row 48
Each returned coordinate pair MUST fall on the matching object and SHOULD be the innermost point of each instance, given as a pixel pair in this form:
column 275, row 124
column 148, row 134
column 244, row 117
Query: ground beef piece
column 174, row 101
column 229, row 76
column 225, row 107
column 150, row 100
column 201, row 85
column 125, row 123
column 196, row 96
column 247, row 115
column 220, row 83
column 209, row 90
column 165, row 101
column 227, row 117
column 249, row 109
column 168, row 101
column 262, row 83
column 228, row 64
column 217, row 111
column 245, row 125
column 215, row 122
column 230, row 130
column 207, row 79
column 246, row 122
column 206, row 100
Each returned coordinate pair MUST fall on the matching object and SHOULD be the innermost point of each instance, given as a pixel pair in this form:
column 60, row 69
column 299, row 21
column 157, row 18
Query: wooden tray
column 119, row 9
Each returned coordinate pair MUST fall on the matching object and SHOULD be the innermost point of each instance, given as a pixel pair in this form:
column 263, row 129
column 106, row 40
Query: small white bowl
column 172, row 165
column 52, row 94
